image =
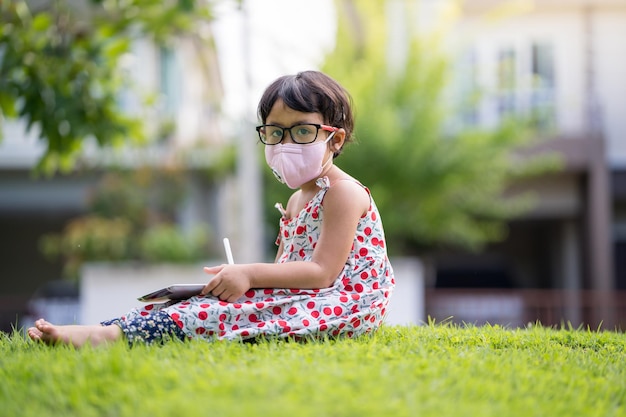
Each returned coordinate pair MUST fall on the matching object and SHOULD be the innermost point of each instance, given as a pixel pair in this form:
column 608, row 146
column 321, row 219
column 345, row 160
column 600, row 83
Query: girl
column 331, row 277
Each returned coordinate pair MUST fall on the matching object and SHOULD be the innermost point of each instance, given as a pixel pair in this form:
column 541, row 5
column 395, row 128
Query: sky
column 284, row 37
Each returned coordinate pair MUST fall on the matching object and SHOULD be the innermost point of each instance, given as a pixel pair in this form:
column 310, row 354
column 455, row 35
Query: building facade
column 562, row 63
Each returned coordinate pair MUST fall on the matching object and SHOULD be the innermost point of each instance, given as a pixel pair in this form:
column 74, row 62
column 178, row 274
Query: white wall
column 407, row 305
column 108, row 292
column 610, row 79
column 19, row 149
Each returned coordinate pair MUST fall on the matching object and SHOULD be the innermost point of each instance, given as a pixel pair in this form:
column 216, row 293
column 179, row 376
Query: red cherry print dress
column 354, row 305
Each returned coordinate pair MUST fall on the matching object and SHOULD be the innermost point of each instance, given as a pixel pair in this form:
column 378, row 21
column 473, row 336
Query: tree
column 433, row 186
column 60, row 66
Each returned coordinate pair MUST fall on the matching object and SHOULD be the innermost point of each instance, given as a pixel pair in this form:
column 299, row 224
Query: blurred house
column 563, row 62
column 187, row 82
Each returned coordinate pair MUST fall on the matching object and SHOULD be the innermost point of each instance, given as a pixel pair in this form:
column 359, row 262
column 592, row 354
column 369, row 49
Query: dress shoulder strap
column 281, row 209
column 329, row 184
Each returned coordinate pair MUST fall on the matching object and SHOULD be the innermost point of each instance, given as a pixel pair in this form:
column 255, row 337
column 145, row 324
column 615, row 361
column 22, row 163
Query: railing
column 517, row 308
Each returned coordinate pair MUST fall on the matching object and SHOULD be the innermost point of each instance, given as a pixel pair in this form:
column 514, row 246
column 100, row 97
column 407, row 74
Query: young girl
column 331, row 277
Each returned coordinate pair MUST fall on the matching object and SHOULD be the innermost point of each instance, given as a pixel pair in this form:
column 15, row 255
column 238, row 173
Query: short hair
column 311, row 92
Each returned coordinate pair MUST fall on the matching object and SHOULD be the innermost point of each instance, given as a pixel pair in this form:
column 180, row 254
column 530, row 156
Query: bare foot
column 74, row 335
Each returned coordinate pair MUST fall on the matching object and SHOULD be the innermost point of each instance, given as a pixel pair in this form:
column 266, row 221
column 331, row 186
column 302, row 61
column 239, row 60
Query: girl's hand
column 229, row 283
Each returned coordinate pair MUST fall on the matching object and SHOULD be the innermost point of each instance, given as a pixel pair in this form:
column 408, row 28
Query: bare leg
column 74, row 335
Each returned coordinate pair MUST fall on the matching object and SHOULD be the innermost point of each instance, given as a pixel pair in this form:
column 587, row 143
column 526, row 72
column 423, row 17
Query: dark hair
column 311, row 92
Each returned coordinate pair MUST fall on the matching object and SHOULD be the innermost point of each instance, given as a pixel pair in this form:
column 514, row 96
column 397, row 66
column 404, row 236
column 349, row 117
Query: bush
column 165, row 243
column 131, row 217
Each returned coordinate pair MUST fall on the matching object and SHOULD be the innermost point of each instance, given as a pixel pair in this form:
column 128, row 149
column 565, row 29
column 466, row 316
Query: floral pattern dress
column 354, row 305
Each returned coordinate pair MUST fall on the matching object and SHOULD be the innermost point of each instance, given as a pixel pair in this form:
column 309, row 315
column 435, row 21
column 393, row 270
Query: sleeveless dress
column 354, row 305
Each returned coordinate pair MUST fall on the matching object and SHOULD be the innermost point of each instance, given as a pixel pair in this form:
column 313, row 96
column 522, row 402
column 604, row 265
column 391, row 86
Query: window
column 506, row 82
column 169, row 77
column 468, row 88
column 542, row 100
column 520, row 83
column 525, row 83
column 543, row 65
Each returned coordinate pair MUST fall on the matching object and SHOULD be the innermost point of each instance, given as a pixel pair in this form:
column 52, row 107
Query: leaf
column 7, row 105
column 115, row 48
column 41, row 22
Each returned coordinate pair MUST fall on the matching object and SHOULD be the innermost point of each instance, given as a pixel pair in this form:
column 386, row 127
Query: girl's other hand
column 229, row 283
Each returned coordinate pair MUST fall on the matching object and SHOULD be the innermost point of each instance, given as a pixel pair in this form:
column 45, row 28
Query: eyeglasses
column 301, row 133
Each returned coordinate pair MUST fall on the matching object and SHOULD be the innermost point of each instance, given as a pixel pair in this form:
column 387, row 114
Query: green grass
column 433, row 370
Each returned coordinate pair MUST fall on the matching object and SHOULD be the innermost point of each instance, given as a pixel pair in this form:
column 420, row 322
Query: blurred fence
column 518, row 308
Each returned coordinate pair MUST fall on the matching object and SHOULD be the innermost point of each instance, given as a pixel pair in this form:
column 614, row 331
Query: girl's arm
column 344, row 204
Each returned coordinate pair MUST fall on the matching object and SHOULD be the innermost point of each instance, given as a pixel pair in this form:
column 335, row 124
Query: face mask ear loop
column 330, row 136
column 331, row 154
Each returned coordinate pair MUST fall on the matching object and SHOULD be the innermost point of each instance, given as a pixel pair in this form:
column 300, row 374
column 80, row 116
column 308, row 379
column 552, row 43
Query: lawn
column 431, row 370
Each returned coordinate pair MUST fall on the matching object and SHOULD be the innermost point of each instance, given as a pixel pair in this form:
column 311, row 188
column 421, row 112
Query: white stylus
column 229, row 253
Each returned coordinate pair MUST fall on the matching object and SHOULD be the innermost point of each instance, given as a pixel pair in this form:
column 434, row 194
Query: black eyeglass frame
column 326, row 128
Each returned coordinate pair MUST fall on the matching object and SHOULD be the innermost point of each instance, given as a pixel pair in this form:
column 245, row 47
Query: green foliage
column 90, row 238
column 432, row 185
column 60, row 67
column 165, row 243
column 427, row 371
column 131, row 217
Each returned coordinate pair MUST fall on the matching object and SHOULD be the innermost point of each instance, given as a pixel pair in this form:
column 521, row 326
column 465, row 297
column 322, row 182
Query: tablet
column 173, row 292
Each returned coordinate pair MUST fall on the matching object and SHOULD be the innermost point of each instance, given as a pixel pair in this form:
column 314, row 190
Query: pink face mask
column 294, row 164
